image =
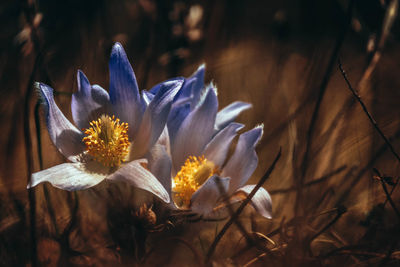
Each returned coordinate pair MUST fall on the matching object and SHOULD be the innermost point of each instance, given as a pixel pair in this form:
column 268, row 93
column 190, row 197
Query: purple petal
column 244, row 160
column 196, row 131
column 193, row 86
column 155, row 119
column 198, row 84
column 218, row 147
column 187, row 88
column 181, row 107
column 70, row 176
column 138, row 176
column 205, row 198
column 229, row 114
column 124, row 91
column 164, row 140
column 261, row 201
column 160, row 166
column 65, row 136
column 88, row 103
column 176, row 116
column 154, row 90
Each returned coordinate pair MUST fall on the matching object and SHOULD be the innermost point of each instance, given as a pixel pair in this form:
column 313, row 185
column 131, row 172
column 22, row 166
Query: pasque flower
column 197, row 152
column 113, row 133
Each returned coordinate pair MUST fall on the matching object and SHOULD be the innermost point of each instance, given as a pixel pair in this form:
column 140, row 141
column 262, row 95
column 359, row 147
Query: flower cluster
column 171, row 140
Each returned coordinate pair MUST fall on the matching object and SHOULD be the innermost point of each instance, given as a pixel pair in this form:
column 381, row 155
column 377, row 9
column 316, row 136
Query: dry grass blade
column 313, row 182
column 388, row 197
column 390, row 16
column 316, row 109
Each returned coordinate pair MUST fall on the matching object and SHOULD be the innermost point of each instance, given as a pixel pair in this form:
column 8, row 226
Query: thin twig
column 371, row 119
column 241, row 207
column 249, row 239
column 40, row 156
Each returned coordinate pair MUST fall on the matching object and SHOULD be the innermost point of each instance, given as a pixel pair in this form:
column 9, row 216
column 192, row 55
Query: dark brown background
column 273, row 54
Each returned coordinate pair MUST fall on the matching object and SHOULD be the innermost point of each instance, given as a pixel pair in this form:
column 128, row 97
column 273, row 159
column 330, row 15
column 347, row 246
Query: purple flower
column 113, row 133
column 189, row 164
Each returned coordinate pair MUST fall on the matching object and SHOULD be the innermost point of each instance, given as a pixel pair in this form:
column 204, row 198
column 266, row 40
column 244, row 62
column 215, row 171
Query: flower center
column 191, row 176
column 107, row 140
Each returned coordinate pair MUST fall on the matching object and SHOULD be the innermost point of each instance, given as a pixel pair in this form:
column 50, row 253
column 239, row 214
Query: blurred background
column 329, row 206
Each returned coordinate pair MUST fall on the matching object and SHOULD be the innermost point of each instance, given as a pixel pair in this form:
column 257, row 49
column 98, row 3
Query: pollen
column 191, row 176
column 107, row 140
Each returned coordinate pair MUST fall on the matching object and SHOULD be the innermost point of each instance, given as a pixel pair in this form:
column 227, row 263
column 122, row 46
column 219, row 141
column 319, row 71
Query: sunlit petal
column 229, row 114
column 136, row 175
column 261, row 201
column 70, row 176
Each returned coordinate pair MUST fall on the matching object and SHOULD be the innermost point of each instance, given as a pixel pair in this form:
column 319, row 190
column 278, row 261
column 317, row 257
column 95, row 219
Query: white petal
column 135, row 174
column 70, row 176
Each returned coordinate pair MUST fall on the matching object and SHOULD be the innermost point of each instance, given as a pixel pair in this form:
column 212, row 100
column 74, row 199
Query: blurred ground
column 273, row 54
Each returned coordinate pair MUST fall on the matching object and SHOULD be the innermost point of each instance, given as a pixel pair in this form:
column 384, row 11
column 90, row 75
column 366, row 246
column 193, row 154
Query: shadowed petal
column 124, row 91
column 229, row 114
column 135, row 174
column 244, row 160
column 88, row 103
column 205, row 198
column 196, row 131
column 261, row 201
column 154, row 119
column 70, row 176
column 65, row 136
column 99, row 95
column 218, row 147
column 160, row 166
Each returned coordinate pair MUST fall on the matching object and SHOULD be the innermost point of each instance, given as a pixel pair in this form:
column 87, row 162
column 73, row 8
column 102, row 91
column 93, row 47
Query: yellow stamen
column 107, row 140
column 191, row 176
